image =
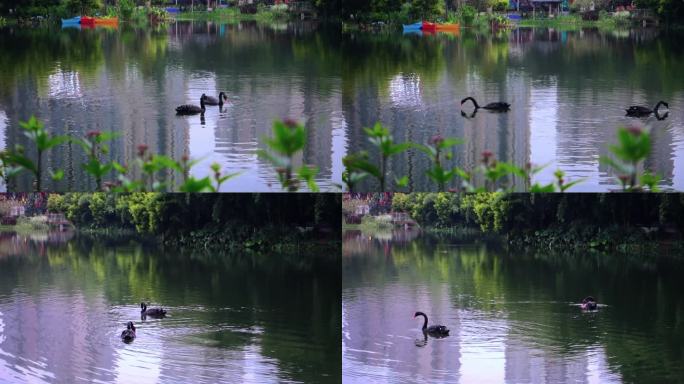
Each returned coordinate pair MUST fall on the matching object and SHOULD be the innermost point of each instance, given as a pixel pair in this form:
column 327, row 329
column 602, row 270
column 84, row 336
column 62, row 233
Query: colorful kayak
column 107, row 20
column 413, row 27
column 73, row 21
column 428, row 26
column 85, row 20
column 448, row 27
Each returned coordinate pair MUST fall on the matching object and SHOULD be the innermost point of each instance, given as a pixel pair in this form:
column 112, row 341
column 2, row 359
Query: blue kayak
column 72, row 21
column 413, row 27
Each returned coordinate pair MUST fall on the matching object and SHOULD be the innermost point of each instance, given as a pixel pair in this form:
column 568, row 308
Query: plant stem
column 38, row 170
column 383, row 160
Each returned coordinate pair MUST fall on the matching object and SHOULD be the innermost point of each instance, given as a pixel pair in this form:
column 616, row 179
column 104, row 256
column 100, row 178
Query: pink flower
column 142, row 148
column 486, row 155
column 92, row 134
column 635, row 130
column 436, row 140
column 291, row 123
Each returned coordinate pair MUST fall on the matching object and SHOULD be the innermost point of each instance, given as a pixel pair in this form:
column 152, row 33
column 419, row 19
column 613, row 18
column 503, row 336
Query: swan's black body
column 210, row 100
column 433, row 330
column 639, row 111
column 152, row 312
column 129, row 333
column 498, row 106
column 190, row 109
column 589, row 304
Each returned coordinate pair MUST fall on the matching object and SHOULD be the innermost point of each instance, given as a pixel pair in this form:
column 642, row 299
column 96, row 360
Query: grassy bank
column 233, row 15
column 605, row 21
column 28, row 225
column 371, row 224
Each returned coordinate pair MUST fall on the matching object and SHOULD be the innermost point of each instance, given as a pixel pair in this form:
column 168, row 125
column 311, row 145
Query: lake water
column 131, row 80
column 568, row 90
column 64, row 301
column 513, row 315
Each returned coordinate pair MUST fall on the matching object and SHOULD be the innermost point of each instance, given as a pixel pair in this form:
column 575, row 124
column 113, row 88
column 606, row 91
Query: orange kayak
column 108, row 20
column 448, row 27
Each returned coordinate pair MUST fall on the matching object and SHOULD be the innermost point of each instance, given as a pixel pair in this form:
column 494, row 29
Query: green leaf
column 536, row 188
column 402, row 182
column 308, row 174
column 57, row 175
column 197, row 185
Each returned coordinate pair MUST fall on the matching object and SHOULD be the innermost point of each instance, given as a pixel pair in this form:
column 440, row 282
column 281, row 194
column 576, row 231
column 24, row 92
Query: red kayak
column 85, row 20
column 427, row 26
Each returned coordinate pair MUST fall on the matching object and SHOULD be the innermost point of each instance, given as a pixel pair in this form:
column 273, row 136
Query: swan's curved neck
column 426, row 320
column 655, row 109
column 474, row 102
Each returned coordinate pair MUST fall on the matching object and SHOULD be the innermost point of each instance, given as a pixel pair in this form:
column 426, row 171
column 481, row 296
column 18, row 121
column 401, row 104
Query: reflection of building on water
column 35, row 318
column 368, row 349
column 506, row 135
column 64, row 84
column 418, row 109
column 133, row 91
column 404, row 90
column 256, row 98
column 526, row 364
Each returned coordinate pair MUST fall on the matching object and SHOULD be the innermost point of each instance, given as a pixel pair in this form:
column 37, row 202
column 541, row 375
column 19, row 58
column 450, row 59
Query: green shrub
column 126, row 8
column 467, row 14
column 499, row 5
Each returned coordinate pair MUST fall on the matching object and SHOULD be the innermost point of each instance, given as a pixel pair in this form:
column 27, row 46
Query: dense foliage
column 517, row 213
column 245, row 220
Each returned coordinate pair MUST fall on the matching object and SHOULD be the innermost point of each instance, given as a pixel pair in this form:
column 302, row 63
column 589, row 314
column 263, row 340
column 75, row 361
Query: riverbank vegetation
column 467, row 13
column 610, row 222
column 600, row 221
column 482, row 12
column 140, row 12
column 262, row 13
column 236, row 222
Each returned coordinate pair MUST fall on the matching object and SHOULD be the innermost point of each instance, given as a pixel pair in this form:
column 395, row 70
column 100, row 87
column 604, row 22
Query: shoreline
column 624, row 240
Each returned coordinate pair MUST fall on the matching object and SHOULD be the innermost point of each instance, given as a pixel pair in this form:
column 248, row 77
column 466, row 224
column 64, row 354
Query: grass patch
column 570, row 22
column 233, row 15
column 27, row 225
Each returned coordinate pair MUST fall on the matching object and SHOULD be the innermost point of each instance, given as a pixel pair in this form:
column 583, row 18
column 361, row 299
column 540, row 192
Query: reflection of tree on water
column 514, row 308
column 280, row 310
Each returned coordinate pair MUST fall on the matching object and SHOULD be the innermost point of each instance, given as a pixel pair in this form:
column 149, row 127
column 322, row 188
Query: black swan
column 190, row 109
column 499, row 106
column 639, row 111
column 152, row 312
column 433, row 330
column 129, row 333
column 211, row 100
column 589, row 304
